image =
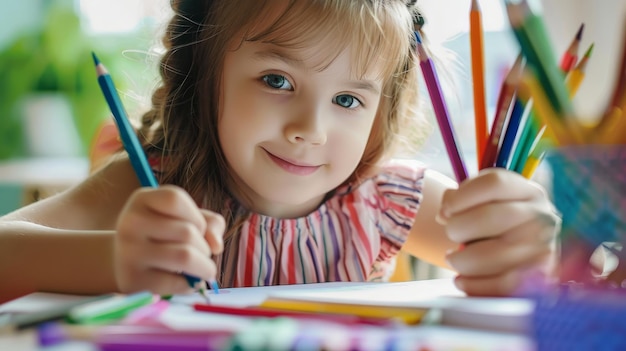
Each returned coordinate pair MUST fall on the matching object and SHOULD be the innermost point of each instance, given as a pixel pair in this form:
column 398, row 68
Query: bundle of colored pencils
column 534, row 110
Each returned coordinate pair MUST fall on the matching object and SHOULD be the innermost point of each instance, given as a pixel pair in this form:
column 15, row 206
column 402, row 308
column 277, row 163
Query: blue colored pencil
column 511, row 133
column 131, row 144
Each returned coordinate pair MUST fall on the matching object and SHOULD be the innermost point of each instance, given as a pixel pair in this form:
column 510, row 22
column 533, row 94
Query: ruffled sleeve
column 399, row 187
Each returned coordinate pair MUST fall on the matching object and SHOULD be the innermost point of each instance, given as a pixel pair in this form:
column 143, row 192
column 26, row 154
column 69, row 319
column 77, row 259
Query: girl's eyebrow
column 365, row 85
column 290, row 60
column 278, row 55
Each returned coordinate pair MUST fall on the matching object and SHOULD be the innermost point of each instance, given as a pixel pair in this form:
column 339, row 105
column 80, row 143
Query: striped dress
column 353, row 236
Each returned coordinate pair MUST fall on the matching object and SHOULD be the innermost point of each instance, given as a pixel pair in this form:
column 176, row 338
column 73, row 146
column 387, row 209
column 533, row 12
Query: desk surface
column 412, row 292
column 44, row 171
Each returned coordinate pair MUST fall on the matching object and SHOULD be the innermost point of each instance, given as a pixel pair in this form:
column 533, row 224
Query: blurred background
column 51, row 107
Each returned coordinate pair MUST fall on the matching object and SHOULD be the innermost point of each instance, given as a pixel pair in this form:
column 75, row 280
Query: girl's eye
column 347, row 101
column 277, row 81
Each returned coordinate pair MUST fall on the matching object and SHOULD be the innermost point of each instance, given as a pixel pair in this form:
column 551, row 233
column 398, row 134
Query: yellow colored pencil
column 531, row 164
column 562, row 135
column 573, row 82
column 407, row 315
column 576, row 76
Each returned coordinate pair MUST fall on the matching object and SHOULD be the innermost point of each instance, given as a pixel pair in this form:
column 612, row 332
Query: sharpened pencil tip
column 205, row 295
column 579, row 34
column 215, row 287
column 588, row 52
column 418, row 37
column 95, row 58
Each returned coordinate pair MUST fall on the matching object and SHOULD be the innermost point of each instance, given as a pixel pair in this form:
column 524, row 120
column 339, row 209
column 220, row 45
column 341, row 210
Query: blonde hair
column 181, row 127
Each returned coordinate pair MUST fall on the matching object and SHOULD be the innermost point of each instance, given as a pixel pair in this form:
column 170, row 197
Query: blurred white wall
column 605, row 23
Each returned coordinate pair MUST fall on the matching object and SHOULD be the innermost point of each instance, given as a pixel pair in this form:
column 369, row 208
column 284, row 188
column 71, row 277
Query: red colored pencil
column 505, row 98
column 570, row 56
column 272, row 313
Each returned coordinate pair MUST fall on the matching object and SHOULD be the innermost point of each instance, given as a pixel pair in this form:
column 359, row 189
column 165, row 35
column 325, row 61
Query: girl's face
column 291, row 130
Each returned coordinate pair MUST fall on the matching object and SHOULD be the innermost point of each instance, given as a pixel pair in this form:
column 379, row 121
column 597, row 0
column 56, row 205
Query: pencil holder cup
column 589, row 189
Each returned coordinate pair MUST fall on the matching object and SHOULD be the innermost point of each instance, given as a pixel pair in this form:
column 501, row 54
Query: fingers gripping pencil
column 137, row 157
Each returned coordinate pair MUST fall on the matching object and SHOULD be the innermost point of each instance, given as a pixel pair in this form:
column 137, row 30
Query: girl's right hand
column 160, row 234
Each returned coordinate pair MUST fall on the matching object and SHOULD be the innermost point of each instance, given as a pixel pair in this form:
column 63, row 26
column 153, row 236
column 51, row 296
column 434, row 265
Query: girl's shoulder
column 391, row 177
column 391, row 197
column 401, row 170
column 399, row 182
column 393, row 194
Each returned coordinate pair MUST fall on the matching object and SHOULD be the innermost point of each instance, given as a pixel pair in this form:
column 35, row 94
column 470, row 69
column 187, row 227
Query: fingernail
column 443, row 215
column 440, row 219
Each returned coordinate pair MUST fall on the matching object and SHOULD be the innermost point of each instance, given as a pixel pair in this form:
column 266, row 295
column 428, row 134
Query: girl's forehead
column 377, row 38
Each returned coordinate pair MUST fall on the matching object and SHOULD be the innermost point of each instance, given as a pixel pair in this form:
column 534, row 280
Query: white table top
column 44, row 171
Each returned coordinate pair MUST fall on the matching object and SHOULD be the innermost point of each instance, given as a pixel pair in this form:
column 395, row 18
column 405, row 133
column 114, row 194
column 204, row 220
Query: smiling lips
column 291, row 166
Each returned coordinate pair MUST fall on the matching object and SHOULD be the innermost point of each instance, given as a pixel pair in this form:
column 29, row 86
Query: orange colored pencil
column 478, row 78
column 570, row 56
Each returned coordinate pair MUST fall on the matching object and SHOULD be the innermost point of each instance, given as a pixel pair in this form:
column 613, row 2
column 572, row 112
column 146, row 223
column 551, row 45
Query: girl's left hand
column 506, row 228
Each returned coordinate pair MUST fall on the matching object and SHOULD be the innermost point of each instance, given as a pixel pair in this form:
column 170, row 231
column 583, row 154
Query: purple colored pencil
column 441, row 111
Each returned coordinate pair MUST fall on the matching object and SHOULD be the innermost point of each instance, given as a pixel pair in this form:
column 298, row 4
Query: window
column 119, row 16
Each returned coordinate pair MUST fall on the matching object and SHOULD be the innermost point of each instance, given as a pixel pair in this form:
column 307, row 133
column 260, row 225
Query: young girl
column 272, row 135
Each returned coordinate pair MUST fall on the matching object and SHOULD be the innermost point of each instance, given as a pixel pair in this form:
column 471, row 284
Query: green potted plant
column 53, row 63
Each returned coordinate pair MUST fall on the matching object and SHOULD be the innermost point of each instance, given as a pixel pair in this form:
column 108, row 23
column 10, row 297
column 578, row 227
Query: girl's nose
column 307, row 128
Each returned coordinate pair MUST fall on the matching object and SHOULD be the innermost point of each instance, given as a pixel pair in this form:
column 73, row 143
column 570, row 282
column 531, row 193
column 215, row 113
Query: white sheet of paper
column 253, row 296
column 415, row 293
column 39, row 301
column 502, row 314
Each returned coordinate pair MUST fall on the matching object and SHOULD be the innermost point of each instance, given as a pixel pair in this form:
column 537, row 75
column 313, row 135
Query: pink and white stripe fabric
column 354, row 236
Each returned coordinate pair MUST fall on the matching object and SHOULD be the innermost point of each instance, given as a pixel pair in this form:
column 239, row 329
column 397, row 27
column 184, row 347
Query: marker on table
column 113, row 337
column 135, row 152
column 22, row 321
column 109, row 310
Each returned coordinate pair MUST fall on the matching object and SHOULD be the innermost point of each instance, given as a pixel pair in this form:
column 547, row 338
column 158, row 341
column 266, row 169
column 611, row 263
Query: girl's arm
column 428, row 239
column 107, row 235
column 37, row 258
column 65, row 243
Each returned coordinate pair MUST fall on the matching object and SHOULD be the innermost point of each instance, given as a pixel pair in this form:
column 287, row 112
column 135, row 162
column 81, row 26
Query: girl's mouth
column 291, row 166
